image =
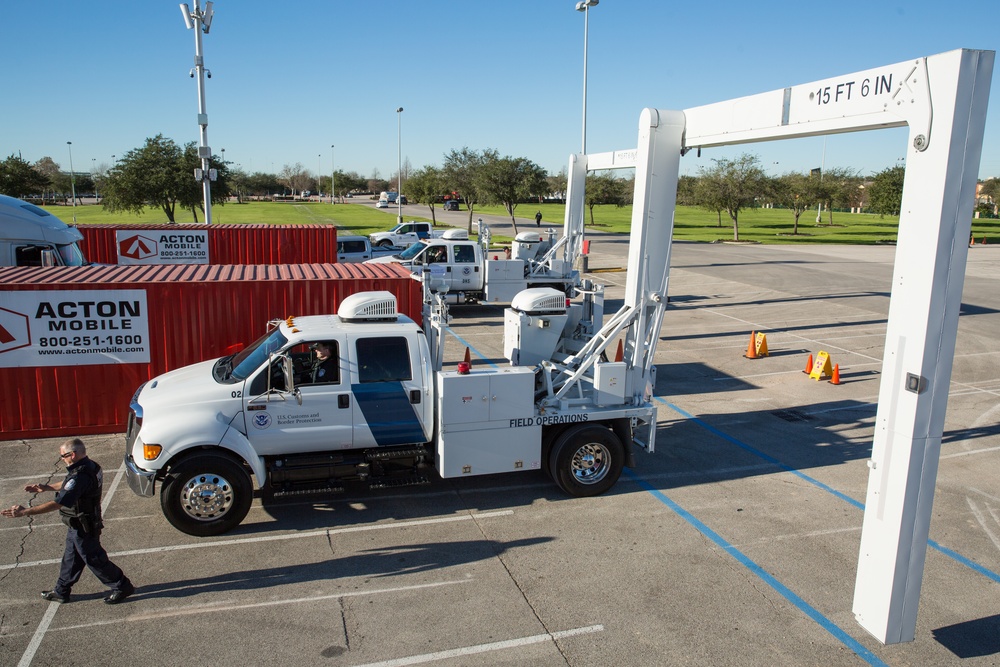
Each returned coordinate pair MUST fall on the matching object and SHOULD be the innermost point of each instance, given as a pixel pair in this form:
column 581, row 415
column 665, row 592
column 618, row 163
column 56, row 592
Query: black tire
column 586, row 460
column 207, row 494
column 384, row 243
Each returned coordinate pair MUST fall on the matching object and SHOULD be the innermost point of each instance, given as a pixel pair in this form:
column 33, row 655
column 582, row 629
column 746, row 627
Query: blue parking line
column 976, row 567
column 469, row 345
column 807, row 609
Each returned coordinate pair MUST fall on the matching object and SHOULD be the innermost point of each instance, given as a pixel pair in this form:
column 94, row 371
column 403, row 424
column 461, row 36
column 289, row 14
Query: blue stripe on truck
column 388, row 412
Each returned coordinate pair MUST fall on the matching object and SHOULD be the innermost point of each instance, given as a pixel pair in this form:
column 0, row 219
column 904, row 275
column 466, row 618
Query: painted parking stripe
column 976, row 567
column 762, row 574
column 229, row 606
column 280, row 538
column 470, row 346
column 485, row 648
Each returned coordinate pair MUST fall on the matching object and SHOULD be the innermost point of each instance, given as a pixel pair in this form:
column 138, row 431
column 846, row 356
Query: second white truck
column 467, row 271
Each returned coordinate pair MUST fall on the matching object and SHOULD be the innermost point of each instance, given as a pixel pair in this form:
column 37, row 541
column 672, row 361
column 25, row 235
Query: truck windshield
column 71, row 255
column 251, row 358
column 412, row 251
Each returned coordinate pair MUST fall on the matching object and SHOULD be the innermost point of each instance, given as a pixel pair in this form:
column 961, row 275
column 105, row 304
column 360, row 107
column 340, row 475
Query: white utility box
column 609, row 383
column 486, row 422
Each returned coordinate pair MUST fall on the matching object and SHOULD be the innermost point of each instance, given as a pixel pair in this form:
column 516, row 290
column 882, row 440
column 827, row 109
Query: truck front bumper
column 141, row 482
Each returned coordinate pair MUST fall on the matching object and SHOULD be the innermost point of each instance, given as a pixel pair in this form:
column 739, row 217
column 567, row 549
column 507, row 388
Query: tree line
column 161, row 174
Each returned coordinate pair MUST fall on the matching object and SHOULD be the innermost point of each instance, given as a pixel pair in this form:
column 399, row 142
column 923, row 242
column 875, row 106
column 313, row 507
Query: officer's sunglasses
column 66, row 455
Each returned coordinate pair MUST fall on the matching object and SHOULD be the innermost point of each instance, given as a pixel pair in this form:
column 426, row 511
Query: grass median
column 772, row 226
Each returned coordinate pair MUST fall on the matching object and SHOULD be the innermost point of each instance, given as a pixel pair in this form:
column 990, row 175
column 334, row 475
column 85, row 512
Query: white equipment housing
column 942, row 99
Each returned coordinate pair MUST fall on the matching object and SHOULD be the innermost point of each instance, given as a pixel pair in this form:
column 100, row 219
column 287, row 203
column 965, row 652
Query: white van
column 31, row 236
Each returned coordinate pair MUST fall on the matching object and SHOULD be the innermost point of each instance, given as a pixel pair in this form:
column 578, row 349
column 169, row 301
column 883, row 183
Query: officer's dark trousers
column 83, row 549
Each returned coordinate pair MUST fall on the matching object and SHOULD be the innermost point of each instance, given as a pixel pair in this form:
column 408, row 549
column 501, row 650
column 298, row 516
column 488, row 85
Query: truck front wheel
column 205, row 495
column 384, row 243
column 586, row 460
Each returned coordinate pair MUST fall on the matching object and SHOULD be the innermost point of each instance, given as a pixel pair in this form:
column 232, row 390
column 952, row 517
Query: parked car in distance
column 451, row 205
column 382, row 203
column 402, row 199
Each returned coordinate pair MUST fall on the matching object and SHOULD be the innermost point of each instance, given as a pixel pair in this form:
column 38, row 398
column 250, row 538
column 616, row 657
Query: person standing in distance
column 78, row 499
column 538, row 219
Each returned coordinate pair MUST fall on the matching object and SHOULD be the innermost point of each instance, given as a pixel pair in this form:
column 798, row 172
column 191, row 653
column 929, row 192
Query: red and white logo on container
column 137, row 247
column 14, row 330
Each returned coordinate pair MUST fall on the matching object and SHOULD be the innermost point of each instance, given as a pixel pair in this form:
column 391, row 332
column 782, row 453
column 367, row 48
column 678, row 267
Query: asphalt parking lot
column 736, row 543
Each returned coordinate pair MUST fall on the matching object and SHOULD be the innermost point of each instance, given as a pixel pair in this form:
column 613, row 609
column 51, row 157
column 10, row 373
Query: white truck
column 390, row 415
column 406, row 233
column 31, row 236
column 467, row 271
column 357, row 249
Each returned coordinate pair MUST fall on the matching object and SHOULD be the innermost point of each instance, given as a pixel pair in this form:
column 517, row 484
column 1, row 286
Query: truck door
column 278, row 423
column 465, row 273
column 391, row 407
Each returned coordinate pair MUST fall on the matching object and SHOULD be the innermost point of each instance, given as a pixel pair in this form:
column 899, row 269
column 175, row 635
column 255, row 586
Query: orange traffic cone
column 835, row 378
column 751, row 348
column 972, row 241
column 984, row 240
column 620, row 354
column 809, row 365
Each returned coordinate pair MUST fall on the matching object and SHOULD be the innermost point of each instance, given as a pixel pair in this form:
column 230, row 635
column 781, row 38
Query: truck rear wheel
column 205, row 495
column 586, row 460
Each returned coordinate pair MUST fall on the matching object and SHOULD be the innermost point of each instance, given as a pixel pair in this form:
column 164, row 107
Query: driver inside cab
column 325, row 368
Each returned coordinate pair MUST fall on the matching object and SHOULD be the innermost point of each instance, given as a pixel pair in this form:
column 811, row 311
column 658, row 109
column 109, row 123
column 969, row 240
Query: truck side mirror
column 49, row 257
column 288, row 371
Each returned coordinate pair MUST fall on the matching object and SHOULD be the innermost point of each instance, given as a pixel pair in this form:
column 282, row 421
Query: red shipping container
column 192, row 313
column 227, row 244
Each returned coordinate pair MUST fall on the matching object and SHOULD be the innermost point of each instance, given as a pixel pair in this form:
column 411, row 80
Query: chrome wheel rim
column 591, row 463
column 206, row 497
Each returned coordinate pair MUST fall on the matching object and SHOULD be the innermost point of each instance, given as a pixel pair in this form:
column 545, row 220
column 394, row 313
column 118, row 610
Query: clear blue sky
column 292, row 78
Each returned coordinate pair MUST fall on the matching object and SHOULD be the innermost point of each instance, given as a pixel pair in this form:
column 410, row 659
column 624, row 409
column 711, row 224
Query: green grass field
column 691, row 223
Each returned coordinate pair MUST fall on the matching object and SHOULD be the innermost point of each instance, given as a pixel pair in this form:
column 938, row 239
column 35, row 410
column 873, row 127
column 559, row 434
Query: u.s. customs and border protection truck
column 390, row 415
column 468, row 271
column 31, row 236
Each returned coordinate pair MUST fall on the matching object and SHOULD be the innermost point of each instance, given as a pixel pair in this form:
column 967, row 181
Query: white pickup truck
column 357, row 249
column 471, row 273
column 406, row 233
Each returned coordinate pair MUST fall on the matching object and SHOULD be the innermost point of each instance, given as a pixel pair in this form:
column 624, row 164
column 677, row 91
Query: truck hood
column 388, row 259
column 188, row 391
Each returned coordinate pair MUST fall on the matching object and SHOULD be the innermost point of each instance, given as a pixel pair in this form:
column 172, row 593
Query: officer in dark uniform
column 325, row 367
column 78, row 499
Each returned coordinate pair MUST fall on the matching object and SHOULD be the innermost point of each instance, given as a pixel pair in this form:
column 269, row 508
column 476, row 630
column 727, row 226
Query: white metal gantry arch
column 942, row 99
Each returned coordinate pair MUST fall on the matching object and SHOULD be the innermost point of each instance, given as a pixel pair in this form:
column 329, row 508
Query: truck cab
column 453, row 261
column 265, row 412
column 31, row 236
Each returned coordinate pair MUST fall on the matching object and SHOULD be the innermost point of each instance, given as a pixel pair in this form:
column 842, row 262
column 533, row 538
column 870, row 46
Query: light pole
column 333, row 175
column 201, row 20
column 93, row 170
column 72, row 178
column 584, row 6
column 319, row 171
column 399, row 164
column 223, row 156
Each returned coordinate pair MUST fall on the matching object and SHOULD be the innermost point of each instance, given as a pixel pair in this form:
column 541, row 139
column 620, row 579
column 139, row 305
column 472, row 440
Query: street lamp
column 333, row 175
column 399, row 164
column 584, row 6
column 93, row 170
column 319, row 171
column 201, row 20
column 223, row 156
column 72, row 178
